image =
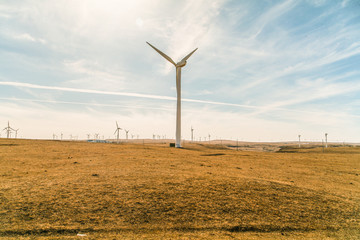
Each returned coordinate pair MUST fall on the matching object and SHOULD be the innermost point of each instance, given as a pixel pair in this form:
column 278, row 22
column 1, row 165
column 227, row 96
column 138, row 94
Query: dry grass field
column 80, row 190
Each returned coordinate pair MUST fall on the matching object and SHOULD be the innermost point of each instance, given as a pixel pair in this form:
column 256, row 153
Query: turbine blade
column 162, row 54
column 116, row 130
column 187, row 56
column 117, row 126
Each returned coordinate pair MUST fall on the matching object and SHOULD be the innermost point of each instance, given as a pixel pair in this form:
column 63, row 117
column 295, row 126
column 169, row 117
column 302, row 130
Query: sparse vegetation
column 57, row 189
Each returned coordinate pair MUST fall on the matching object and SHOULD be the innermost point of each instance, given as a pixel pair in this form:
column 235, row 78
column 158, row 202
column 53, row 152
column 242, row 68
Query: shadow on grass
column 213, row 154
column 268, row 228
column 239, row 228
column 8, row 144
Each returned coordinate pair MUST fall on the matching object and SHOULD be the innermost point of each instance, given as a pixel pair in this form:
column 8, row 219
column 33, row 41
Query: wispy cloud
column 270, row 15
column 28, row 85
column 132, row 106
column 127, row 94
column 28, row 37
column 329, row 91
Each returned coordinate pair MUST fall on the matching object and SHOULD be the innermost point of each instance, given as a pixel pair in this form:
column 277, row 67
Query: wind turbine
column 178, row 67
column 299, row 141
column 8, row 130
column 16, row 132
column 118, row 132
column 127, row 132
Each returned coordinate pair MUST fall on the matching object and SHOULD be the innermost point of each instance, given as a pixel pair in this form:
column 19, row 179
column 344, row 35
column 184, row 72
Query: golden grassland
column 58, row 189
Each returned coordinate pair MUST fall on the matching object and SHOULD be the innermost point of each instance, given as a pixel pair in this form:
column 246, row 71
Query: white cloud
column 139, row 22
column 28, row 37
column 317, row 3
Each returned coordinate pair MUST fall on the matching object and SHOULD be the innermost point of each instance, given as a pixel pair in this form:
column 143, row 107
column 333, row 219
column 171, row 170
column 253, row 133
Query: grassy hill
column 58, row 189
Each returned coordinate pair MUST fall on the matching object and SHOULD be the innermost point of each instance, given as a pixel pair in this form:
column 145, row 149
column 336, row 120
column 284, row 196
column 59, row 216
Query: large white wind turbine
column 118, row 132
column 178, row 67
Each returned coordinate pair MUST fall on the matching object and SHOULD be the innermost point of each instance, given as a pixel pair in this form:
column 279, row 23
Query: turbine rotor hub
column 181, row 64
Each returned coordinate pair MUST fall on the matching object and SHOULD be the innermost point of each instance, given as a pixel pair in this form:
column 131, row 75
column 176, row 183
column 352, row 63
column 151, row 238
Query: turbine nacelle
column 181, row 64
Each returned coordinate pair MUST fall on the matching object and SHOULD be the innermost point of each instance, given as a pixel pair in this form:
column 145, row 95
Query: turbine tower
column 326, row 140
column 118, row 132
column 299, row 141
column 178, row 67
column 192, row 134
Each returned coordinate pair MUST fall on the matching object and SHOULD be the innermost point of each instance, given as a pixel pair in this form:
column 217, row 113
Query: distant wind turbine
column 299, row 141
column 16, row 132
column 127, row 132
column 118, row 132
column 8, row 130
column 178, row 66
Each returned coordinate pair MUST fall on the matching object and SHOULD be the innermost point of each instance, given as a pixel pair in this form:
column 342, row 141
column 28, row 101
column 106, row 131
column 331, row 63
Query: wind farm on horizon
column 122, row 137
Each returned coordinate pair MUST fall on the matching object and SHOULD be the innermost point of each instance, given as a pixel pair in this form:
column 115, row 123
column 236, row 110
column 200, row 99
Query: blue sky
column 264, row 70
